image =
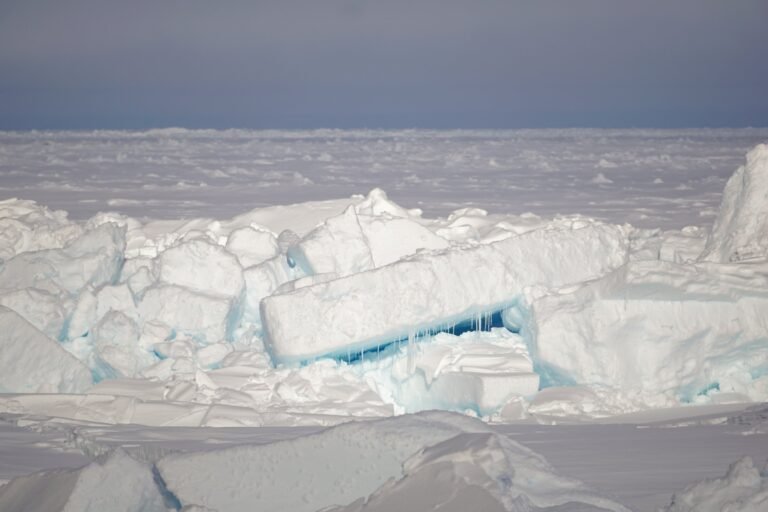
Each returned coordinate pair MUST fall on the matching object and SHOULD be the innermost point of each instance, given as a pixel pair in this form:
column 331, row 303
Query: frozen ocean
column 373, row 320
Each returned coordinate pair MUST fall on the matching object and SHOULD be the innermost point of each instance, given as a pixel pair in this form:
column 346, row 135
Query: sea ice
column 744, row 488
column 252, row 246
column 337, row 247
column 478, row 371
column 95, row 259
column 26, row 226
column 741, row 228
column 384, row 460
column 116, row 483
column 202, row 267
column 30, row 362
column 202, row 316
column 659, row 330
column 46, row 311
column 426, row 291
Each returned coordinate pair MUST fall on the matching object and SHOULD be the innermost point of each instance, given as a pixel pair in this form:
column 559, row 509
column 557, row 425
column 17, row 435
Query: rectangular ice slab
column 362, row 310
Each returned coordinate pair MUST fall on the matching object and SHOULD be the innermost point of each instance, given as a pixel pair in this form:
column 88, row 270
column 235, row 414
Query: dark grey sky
column 383, row 63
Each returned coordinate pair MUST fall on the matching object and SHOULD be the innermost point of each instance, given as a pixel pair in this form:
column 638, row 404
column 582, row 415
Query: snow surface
column 320, row 312
column 660, row 178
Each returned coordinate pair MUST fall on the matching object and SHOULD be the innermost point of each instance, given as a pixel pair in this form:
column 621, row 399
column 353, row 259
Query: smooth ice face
column 741, row 228
column 360, row 311
column 30, row 362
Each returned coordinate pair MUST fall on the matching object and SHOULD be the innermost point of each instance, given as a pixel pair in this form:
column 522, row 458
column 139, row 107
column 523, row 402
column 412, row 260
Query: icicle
column 411, row 355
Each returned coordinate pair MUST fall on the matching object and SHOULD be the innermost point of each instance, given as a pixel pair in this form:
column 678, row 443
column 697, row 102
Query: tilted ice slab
column 741, row 228
column 352, row 242
column 117, row 483
column 360, row 311
column 30, row 362
column 661, row 331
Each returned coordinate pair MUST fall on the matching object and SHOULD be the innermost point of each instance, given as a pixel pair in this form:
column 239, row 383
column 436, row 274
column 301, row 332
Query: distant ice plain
column 650, row 178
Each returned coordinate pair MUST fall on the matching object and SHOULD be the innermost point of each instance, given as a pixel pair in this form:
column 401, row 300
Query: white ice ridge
column 429, row 290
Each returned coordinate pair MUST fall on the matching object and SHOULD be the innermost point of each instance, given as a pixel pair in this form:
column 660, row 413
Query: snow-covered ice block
column 352, row 242
column 93, row 259
column 46, row 311
column 478, row 371
column 30, row 362
column 363, row 310
column 83, row 315
column 203, row 267
column 262, row 280
column 741, row 228
column 115, row 339
column 92, row 305
column 27, row 226
column 252, row 246
column 376, row 203
column 392, row 238
column 200, row 316
column 117, row 483
column 663, row 331
column 338, row 246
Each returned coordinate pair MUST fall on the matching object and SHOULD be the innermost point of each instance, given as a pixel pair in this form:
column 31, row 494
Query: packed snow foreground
column 318, row 313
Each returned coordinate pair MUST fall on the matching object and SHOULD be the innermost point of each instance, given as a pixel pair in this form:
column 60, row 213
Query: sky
column 86, row 64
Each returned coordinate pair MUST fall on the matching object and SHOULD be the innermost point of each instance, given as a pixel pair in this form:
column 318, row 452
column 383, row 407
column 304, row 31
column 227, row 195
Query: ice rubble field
column 316, row 313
